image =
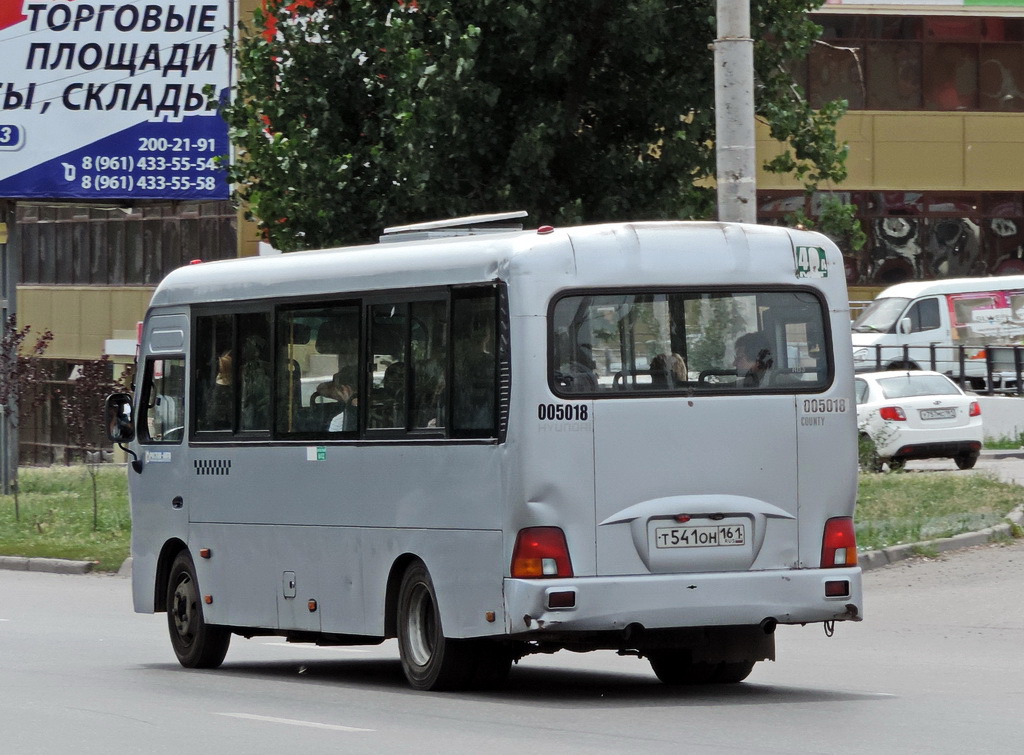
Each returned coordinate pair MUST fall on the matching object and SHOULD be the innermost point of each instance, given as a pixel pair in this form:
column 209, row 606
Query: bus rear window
column 652, row 343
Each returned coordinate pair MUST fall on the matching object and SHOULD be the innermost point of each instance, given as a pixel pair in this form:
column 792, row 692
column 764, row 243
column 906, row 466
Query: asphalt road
column 935, row 667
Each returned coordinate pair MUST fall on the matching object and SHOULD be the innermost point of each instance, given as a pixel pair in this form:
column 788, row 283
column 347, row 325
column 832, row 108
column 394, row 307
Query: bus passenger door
column 160, row 489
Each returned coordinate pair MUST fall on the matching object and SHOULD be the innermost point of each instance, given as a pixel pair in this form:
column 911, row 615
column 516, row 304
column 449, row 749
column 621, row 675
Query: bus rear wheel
column 196, row 643
column 430, row 660
column 676, row 668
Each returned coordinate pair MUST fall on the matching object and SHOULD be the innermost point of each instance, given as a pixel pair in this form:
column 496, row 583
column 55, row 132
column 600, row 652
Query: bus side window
column 254, row 371
column 474, row 378
column 389, row 332
column 163, row 401
column 215, row 373
column 429, row 357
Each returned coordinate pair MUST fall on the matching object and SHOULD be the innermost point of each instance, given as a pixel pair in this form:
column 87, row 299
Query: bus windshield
column 880, row 316
column 650, row 342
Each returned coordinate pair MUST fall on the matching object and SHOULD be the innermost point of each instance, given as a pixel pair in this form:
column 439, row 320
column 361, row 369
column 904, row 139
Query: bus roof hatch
column 494, row 223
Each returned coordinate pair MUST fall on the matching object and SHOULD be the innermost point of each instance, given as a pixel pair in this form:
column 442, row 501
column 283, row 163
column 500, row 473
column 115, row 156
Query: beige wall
column 918, row 151
column 81, row 317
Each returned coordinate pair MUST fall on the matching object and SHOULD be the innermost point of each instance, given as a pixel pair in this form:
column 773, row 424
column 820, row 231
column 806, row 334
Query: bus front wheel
column 430, row 660
column 196, row 643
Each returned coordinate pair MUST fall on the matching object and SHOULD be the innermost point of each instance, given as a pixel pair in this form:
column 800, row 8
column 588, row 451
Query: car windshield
column 907, row 386
column 880, row 316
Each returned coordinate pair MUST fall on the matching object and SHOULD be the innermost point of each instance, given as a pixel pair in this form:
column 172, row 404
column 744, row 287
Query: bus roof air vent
column 499, row 222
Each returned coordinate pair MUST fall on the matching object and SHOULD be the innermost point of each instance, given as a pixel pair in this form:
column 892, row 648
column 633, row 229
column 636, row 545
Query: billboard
column 108, row 100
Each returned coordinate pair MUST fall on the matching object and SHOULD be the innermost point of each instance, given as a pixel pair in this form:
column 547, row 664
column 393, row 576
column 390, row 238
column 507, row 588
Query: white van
column 924, row 324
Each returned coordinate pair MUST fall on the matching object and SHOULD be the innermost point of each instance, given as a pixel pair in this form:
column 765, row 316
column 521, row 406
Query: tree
column 81, row 404
column 22, row 374
column 351, row 115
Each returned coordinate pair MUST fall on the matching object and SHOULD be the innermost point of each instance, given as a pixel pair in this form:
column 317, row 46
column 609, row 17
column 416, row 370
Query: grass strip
column 56, row 515
column 56, row 507
column 911, row 507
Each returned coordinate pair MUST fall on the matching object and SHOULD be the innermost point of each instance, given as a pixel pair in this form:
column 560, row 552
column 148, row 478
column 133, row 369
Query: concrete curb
column 53, row 565
column 892, row 554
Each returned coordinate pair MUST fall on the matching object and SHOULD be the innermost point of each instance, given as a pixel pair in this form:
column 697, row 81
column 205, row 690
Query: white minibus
column 944, row 325
column 636, row 436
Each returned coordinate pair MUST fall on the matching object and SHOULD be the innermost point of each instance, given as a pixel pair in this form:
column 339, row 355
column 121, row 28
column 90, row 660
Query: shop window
column 1001, row 85
column 951, row 77
column 893, row 76
column 835, row 74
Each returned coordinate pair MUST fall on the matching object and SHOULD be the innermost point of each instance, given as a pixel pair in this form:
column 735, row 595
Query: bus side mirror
column 905, row 327
column 117, row 416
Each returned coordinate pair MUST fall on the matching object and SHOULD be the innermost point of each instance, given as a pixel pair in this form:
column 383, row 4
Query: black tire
column 675, row 667
column 196, row 643
column 430, row 660
column 896, row 464
column 966, row 460
column 733, row 673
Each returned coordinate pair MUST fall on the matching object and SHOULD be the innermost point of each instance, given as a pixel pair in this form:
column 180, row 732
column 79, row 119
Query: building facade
column 936, row 136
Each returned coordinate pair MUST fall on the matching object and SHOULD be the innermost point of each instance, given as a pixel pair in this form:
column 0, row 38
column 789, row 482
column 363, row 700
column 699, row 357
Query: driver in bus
column 753, row 359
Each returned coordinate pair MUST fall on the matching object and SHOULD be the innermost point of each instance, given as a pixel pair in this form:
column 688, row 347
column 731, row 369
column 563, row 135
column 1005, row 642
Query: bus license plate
column 700, row 537
column 949, row 413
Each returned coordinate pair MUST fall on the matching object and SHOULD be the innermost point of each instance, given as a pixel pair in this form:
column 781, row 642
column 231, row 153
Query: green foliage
column 58, row 520
column 911, row 508
column 353, row 115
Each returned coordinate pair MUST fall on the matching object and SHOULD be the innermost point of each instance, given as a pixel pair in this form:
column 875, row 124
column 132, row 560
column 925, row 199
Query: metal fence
column 995, row 369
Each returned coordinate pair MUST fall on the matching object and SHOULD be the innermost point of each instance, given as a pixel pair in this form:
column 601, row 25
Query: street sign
column 110, row 100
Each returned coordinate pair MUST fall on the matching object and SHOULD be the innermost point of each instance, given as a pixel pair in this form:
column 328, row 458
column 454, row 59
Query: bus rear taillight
column 541, row 552
column 839, row 544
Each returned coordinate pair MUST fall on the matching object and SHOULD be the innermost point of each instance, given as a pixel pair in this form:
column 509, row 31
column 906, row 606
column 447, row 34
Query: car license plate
column 949, row 413
column 700, row 537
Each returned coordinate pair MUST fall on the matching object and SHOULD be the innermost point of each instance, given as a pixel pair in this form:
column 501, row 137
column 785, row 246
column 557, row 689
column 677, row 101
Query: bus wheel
column 196, row 643
column 675, row 667
column 732, row 673
column 429, row 659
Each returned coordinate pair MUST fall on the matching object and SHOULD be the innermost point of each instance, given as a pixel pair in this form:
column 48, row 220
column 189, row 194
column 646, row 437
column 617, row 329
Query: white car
column 916, row 414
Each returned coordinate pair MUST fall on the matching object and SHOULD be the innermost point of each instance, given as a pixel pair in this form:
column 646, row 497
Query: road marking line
column 291, row 722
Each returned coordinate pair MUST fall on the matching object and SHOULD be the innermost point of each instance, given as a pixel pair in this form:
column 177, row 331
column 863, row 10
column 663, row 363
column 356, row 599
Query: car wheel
column 966, row 460
column 196, row 643
column 896, row 464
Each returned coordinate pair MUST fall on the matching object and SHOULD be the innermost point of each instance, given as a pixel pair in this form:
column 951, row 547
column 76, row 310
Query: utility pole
column 8, row 287
column 734, row 113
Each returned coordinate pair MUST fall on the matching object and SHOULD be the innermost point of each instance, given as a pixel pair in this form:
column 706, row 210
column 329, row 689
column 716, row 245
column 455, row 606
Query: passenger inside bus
column 753, row 359
column 341, row 388
column 336, row 400
column 668, row 371
column 221, row 397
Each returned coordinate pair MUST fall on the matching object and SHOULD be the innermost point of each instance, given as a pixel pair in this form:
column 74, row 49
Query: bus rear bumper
column 667, row 601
